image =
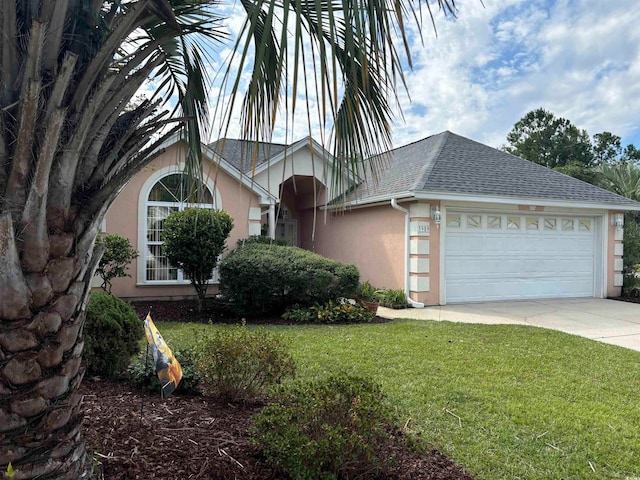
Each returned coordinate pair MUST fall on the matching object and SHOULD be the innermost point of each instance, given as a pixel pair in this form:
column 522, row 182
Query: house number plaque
column 421, row 229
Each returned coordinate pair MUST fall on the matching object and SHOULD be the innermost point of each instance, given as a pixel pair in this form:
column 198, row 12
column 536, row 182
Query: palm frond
column 360, row 50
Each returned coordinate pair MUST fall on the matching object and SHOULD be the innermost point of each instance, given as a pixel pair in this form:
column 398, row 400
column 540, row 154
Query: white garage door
column 506, row 257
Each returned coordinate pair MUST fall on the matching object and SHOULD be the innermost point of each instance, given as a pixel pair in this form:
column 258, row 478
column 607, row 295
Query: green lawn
column 508, row 402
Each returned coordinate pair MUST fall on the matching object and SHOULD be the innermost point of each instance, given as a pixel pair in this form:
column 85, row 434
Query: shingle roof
column 244, row 155
column 447, row 163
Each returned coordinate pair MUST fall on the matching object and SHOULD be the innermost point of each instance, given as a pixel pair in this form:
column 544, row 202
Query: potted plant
column 368, row 296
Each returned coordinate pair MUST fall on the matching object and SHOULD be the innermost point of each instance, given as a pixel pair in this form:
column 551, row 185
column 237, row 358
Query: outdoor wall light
column 617, row 220
column 436, row 216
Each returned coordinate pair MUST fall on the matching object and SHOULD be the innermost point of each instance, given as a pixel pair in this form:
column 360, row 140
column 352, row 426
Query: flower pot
column 371, row 306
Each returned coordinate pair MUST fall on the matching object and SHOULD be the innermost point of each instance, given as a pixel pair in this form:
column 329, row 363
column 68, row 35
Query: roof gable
column 246, row 155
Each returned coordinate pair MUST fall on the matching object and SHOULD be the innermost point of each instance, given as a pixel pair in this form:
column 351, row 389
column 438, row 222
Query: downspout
column 407, row 261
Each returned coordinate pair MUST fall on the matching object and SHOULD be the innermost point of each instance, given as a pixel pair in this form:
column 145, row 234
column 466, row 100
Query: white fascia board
column 370, row 202
column 381, row 199
column 174, row 138
column 542, row 202
column 293, row 148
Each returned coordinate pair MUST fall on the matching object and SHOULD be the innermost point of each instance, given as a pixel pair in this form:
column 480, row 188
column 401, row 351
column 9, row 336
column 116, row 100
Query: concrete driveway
column 608, row 321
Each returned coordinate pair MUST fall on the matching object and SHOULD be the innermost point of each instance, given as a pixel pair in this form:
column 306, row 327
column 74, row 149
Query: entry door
column 287, row 229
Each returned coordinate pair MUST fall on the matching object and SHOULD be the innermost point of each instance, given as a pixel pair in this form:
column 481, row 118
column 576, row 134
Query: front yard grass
column 508, row 402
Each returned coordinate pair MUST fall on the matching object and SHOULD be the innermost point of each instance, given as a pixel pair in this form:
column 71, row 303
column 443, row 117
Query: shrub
column 368, row 292
column 193, row 240
column 330, row 312
column 112, row 335
column 142, row 371
column 261, row 240
column 261, row 278
column 117, row 255
column 239, row 364
column 393, row 298
column 328, row 428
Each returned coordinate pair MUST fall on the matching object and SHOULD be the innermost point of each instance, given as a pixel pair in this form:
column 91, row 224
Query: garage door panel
column 490, row 264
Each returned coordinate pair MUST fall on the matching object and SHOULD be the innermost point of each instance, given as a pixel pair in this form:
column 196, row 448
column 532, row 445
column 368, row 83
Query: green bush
column 367, row 292
column 193, row 240
column 261, row 278
column 118, row 254
column 239, row 364
column 261, row 240
column 112, row 335
column 330, row 312
column 393, row 298
column 142, row 371
column 326, row 429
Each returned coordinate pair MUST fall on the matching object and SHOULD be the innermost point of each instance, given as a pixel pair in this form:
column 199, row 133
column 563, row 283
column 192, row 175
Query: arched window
column 171, row 193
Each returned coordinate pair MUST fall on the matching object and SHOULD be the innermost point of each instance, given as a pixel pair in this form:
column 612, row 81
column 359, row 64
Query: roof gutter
column 407, row 238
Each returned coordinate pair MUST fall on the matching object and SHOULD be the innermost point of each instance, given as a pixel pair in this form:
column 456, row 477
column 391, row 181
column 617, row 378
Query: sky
column 499, row 59
column 491, row 65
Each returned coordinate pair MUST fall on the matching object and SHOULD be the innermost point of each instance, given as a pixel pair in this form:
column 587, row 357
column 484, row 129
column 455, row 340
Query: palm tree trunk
column 41, row 320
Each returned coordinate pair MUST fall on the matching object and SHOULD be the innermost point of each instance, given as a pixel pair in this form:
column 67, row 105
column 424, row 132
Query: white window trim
column 143, row 196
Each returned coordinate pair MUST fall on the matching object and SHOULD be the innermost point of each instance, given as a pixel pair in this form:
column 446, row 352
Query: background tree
column 623, row 178
column 543, row 138
column 607, row 148
column 193, row 241
column 118, row 254
column 68, row 145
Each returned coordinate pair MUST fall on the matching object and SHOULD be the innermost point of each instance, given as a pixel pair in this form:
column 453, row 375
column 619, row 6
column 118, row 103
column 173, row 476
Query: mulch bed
column 134, row 434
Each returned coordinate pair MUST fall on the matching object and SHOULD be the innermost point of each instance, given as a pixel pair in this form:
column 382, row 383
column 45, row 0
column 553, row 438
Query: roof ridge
column 542, row 168
column 427, row 168
column 226, row 139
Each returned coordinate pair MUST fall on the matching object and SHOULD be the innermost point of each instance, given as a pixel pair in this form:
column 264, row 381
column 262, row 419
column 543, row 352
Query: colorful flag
column 167, row 366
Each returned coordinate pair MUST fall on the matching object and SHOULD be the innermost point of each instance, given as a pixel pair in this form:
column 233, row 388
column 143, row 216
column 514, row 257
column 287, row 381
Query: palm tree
column 70, row 140
column 622, row 178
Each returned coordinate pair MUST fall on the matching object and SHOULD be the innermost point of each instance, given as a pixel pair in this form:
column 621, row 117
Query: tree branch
column 54, row 13
column 8, row 40
column 62, row 82
column 35, row 242
column 14, row 292
column 15, row 195
column 65, row 171
column 123, row 27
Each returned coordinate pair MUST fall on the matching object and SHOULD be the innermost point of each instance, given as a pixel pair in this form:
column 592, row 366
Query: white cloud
column 495, row 62
column 579, row 59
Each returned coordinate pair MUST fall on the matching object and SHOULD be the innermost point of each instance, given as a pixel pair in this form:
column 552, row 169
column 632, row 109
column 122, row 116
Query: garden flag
column 167, row 366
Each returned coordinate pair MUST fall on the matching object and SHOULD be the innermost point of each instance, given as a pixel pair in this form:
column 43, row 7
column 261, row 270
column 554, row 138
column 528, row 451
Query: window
column 584, row 225
column 567, row 224
column 474, row 221
column 453, row 220
column 494, row 222
column 550, row 224
column 513, row 223
column 171, row 193
column 533, row 223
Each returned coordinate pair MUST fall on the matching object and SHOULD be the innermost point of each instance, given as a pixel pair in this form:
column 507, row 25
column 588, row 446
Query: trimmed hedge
column 262, row 279
column 112, row 335
column 253, row 239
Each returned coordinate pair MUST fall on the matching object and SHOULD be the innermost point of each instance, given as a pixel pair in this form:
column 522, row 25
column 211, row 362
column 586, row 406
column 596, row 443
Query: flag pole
column 146, row 362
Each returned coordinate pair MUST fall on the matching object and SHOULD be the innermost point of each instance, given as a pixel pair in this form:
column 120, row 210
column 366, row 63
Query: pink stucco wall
column 371, row 238
column 123, row 218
